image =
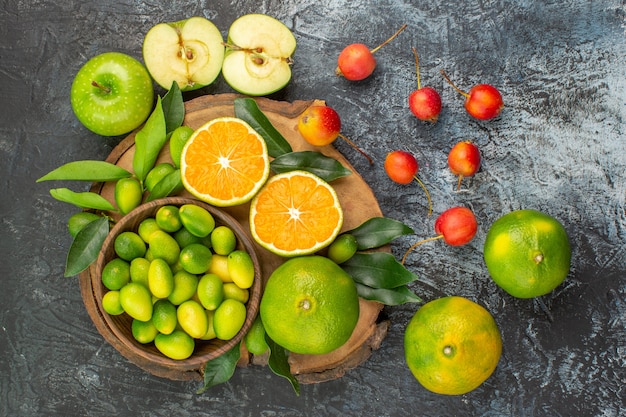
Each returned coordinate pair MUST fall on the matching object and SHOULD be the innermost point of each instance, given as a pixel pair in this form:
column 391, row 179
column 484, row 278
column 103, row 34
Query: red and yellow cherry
column 402, row 168
column 320, row 125
column 464, row 160
column 356, row 61
column 457, row 226
column 483, row 101
column 424, row 103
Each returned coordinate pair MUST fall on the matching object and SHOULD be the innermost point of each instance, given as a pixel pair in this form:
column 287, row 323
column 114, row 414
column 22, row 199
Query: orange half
column 224, row 162
column 295, row 213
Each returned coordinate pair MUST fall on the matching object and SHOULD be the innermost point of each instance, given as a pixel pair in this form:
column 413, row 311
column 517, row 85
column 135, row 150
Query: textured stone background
column 559, row 146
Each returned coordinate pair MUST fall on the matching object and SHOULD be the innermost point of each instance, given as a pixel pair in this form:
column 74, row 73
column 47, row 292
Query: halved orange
column 295, row 213
column 224, row 162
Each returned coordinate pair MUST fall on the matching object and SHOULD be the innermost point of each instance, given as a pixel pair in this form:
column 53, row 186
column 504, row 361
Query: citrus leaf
column 149, row 141
column 173, row 108
column 220, row 369
column 85, row 200
column 316, row 163
column 247, row 110
column 379, row 231
column 170, row 184
column 279, row 364
column 378, row 270
column 86, row 246
column 388, row 296
column 93, row 171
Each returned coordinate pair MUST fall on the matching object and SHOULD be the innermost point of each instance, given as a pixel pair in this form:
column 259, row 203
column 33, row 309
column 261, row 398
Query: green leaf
column 86, row 246
column 316, row 163
column 220, row 369
column 93, row 171
column 171, row 184
column 378, row 270
column 149, row 141
column 85, row 200
column 388, row 296
column 379, row 231
column 247, row 110
column 279, row 364
column 173, row 108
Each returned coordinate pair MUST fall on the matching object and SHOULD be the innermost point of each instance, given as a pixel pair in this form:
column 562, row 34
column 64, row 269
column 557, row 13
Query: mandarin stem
column 390, row 39
column 416, row 244
column 430, row 203
column 463, row 93
column 369, row 158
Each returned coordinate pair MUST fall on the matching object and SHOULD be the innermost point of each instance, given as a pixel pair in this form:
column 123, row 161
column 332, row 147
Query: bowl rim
column 210, row 349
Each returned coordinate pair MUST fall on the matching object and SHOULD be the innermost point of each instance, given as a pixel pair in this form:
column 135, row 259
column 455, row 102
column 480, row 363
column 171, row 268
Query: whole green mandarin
column 129, row 245
column 197, row 220
column 79, row 220
column 164, row 246
column 177, row 345
column 223, row 240
column 160, row 278
column 229, row 319
column 195, row 258
column 136, row 301
column 144, row 331
column 115, row 274
column 128, row 194
column 168, row 219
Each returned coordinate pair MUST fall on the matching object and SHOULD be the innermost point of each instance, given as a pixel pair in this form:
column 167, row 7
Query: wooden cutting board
column 357, row 200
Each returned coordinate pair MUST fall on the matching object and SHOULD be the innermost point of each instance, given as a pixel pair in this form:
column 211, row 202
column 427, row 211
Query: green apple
column 112, row 94
column 189, row 52
column 258, row 55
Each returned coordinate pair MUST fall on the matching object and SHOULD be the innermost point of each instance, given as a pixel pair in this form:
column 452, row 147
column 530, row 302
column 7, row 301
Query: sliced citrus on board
column 295, row 213
column 224, row 162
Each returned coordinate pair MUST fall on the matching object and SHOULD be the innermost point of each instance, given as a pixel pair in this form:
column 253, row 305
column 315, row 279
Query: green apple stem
column 416, row 244
column 417, row 68
column 390, row 39
column 463, row 93
column 369, row 158
column 101, row 87
column 430, row 203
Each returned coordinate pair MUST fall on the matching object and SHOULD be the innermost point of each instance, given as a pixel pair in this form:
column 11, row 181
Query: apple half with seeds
column 258, row 54
column 189, row 52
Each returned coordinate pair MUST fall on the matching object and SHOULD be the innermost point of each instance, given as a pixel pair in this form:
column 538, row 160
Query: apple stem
column 390, row 39
column 369, row 158
column 417, row 68
column 430, row 203
column 458, row 186
column 416, row 244
column 101, row 87
column 463, row 93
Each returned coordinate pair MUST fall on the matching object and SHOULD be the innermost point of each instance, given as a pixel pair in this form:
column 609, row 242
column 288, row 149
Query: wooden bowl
column 120, row 326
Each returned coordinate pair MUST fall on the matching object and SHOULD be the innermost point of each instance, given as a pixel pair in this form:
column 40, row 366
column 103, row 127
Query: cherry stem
column 416, row 244
column 463, row 93
column 417, row 68
column 369, row 158
column 430, row 203
column 101, row 87
column 390, row 39
column 458, row 185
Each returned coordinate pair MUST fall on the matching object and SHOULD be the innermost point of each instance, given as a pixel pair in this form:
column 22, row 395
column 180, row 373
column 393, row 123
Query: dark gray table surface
column 559, row 146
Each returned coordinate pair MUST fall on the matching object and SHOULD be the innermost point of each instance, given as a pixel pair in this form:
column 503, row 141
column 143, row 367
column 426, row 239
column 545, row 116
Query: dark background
column 557, row 147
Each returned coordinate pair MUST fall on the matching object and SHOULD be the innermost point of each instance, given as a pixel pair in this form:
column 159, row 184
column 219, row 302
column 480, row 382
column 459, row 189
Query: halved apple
column 189, row 52
column 258, row 54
